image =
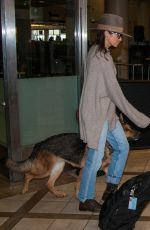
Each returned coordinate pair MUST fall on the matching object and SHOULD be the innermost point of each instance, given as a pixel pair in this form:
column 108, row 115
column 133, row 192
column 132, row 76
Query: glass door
column 41, row 39
column 45, row 38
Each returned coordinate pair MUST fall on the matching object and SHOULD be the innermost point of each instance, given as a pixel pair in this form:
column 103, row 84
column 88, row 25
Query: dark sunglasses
column 118, row 35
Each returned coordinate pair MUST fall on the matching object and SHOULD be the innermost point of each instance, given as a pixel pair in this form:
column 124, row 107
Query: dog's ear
column 121, row 118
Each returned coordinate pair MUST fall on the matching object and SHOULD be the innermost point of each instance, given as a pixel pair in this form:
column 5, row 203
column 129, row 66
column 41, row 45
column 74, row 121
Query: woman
column 101, row 95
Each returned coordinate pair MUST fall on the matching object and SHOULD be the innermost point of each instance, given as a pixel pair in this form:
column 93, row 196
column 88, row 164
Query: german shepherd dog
column 49, row 157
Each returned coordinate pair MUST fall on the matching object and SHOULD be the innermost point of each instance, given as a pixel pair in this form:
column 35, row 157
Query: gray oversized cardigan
column 101, row 94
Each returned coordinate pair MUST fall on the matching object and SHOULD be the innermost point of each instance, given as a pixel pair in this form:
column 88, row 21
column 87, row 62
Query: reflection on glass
column 37, row 35
column 45, row 38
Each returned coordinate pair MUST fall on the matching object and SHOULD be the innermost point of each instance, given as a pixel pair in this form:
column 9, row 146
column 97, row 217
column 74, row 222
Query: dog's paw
column 24, row 191
column 60, row 194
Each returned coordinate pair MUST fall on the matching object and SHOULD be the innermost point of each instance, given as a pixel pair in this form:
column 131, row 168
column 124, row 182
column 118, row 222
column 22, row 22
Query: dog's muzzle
column 137, row 137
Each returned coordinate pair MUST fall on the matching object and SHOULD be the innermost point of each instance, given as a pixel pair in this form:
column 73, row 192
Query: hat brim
column 117, row 29
column 127, row 35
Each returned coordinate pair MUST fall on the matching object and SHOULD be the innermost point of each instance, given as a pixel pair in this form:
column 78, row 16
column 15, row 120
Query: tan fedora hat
column 112, row 22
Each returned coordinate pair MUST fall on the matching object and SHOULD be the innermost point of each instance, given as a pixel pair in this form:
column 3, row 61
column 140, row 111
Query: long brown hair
column 100, row 41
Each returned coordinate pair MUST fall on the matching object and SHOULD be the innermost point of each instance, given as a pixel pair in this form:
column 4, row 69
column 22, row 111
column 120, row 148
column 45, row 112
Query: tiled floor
column 40, row 210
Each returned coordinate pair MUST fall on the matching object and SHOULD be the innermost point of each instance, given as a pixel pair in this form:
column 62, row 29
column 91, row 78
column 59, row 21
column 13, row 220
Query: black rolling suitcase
column 121, row 210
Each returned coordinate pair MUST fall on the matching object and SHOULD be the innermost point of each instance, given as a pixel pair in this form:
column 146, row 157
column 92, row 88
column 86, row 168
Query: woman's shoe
column 90, row 205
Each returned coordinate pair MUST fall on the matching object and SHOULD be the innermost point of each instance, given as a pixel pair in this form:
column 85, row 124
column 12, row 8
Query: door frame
column 10, row 81
column 81, row 37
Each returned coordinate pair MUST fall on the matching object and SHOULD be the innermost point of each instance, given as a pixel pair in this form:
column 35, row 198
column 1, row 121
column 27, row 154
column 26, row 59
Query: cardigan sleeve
column 117, row 97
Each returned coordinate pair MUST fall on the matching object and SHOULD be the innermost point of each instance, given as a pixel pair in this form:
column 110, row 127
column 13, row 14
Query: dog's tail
column 22, row 166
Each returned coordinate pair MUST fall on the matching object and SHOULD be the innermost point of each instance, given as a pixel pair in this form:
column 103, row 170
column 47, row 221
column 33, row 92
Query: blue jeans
column 120, row 145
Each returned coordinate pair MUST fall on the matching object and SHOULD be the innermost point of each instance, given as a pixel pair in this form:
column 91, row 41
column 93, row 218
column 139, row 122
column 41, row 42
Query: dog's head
column 131, row 133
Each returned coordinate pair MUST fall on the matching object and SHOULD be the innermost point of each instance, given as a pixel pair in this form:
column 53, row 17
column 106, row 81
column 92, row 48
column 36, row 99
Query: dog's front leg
column 77, row 185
